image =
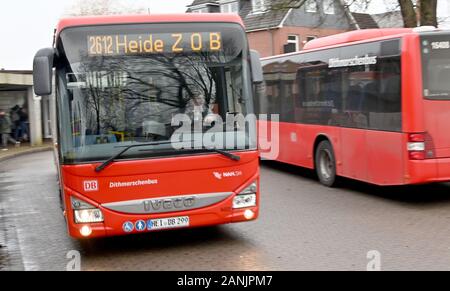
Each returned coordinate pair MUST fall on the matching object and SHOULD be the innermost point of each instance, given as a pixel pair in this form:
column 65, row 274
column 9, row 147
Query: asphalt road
column 303, row 226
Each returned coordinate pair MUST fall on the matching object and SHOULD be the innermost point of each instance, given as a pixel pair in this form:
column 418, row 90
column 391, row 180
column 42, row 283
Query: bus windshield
column 125, row 84
column 436, row 66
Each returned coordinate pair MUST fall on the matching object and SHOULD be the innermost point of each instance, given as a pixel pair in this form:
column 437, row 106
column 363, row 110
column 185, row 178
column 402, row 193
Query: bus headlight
column 88, row 216
column 251, row 189
column 85, row 212
column 244, row 201
column 247, row 198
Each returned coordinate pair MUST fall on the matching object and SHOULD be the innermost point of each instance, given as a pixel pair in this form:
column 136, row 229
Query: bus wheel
column 326, row 164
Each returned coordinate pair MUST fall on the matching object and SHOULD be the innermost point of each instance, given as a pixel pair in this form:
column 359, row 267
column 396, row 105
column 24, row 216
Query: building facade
column 16, row 89
column 273, row 29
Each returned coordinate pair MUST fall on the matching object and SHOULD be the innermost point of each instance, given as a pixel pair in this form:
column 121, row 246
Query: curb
column 27, row 152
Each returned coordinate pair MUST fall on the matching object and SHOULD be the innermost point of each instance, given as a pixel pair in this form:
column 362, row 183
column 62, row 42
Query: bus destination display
column 141, row 44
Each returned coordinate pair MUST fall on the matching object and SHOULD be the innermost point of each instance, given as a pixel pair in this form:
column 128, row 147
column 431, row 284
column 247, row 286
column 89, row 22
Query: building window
column 294, row 40
column 311, row 6
column 259, row 6
column 229, row 7
column 201, row 10
column 328, row 7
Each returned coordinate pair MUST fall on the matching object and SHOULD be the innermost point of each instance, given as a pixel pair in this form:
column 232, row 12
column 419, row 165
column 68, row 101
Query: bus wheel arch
column 325, row 161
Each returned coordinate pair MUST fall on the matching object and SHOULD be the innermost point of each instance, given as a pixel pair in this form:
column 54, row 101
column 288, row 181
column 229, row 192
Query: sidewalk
column 23, row 150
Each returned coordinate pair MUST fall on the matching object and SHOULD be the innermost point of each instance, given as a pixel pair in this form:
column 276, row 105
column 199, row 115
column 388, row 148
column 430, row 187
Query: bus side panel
column 354, row 153
column 413, row 108
column 288, row 146
column 416, row 172
column 423, row 116
column 294, row 145
column 311, row 133
column 301, row 140
column 385, row 158
column 412, row 100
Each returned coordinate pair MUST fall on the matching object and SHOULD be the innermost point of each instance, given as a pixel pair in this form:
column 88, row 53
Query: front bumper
column 113, row 225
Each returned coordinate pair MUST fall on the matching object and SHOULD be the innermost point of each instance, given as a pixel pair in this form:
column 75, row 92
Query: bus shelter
column 16, row 89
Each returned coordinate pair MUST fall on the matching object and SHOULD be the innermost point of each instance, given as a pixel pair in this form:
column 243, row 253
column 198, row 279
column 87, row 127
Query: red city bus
column 126, row 165
column 369, row 105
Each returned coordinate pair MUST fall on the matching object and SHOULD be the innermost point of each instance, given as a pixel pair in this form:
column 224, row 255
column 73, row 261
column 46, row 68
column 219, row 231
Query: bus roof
column 354, row 36
column 351, row 37
column 151, row 18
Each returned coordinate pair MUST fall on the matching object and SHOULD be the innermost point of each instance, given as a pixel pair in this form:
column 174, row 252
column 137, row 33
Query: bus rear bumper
column 428, row 171
column 115, row 223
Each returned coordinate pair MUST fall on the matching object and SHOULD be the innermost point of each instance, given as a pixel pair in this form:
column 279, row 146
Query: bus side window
column 273, row 89
column 260, row 97
column 355, row 98
column 390, row 94
column 371, row 95
column 318, row 102
column 387, row 114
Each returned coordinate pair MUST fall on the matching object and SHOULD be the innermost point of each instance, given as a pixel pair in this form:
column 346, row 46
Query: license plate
column 169, row 223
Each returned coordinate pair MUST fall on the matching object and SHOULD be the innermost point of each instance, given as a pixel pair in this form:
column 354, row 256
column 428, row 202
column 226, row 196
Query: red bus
column 137, row 100
column 369, row 105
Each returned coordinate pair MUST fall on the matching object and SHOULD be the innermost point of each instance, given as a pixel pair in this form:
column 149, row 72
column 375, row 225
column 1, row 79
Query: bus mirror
column 43, row 72
column 257, row 70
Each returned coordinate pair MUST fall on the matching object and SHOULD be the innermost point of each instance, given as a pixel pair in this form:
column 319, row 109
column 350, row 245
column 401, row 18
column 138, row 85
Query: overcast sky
column 26, row 26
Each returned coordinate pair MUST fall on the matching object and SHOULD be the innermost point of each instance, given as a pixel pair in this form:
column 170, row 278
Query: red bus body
column 176, row 177
column 170, row 177
column 376, row 156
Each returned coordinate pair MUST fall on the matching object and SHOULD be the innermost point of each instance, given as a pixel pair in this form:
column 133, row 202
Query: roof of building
column 11, row 80
column 273, row 18
column 268, row 19
column 202, row 2
column 389, row 19
column 18, row 72
column 153, row 18
column 365, row 21
column 253, row 21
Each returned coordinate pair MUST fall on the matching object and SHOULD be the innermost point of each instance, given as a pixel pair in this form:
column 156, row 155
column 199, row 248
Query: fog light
column 88, row 216
column 86, row 231
column 249, row 214
column 244, row 201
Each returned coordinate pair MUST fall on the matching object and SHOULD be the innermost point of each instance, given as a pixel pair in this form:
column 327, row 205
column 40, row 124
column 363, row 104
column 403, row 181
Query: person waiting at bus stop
column 5, row 131
column 19, row 118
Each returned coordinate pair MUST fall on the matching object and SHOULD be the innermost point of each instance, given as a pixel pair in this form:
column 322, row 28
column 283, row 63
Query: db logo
column 90, row 186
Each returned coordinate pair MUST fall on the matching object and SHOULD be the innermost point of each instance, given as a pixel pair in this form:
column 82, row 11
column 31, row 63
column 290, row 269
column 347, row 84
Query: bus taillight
column 417, row 146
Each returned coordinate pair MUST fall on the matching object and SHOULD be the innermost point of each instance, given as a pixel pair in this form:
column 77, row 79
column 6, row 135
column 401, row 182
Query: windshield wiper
column 214, row 150
column 126, row 149
column 231, row 156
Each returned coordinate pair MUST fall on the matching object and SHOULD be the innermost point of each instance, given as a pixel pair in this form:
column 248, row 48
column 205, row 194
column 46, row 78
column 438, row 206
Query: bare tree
column 419, row 12
column 288, row 4
column 428, row 12
column 408, row 12
column 414, row 12
column 105, row 7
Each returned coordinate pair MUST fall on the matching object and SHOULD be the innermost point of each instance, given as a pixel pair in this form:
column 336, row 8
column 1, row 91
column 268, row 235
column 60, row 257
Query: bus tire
column 325, row 164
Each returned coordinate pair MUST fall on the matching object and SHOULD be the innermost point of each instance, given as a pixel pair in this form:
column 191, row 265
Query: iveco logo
column 169, row 204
